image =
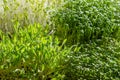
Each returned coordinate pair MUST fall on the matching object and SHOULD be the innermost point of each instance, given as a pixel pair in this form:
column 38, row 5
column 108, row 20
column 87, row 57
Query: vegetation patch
column 81, row 21
column 32, row 53
column 59, row 39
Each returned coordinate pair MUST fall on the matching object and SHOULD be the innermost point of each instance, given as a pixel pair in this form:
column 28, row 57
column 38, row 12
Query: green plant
column 29, row 50
column 98, row 60
column 31, row 53
column 25, row 12
column 81, row 21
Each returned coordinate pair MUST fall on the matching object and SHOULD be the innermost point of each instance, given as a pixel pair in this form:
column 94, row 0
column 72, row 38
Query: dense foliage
column 32, row 54
column 99, row 60
column 85, row 20
column 59, row 39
